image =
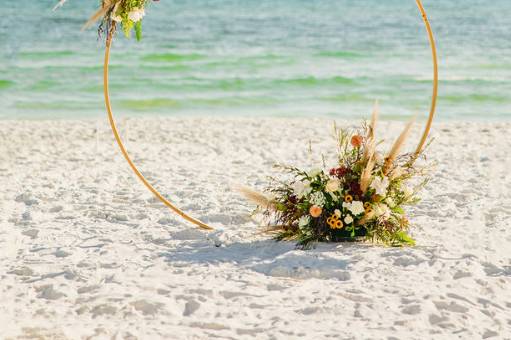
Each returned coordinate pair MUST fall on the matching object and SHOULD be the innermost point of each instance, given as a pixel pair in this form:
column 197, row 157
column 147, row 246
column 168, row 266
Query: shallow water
column 271, row 58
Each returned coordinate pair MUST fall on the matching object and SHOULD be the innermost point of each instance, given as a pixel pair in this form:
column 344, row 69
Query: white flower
column 378, row 158
column 390, row 202
column 332, row 185
column 355, row 207
column 382, row 210
column 407, row 191
column 301, row 188
column 335, row 198
column 397, row 172
column 136, row 14
column 304, row 221
column 116, row 18
column 314, row 172
column 348, row 219
column 337, row 213
column 318, row 199
column 380, row 185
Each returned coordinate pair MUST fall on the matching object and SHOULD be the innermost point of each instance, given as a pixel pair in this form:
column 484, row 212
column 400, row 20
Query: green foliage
column 129, row 14
column 138, row 30
column 402, row 238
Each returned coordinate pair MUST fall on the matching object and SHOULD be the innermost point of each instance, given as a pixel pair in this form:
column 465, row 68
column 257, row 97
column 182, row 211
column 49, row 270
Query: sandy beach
column 88, row 253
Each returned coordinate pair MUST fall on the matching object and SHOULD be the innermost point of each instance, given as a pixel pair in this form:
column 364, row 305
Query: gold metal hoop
column 432, row 109
column 182, row 213
column 125, row 152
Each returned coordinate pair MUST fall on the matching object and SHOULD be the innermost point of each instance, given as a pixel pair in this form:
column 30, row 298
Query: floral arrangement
column 363, row 196
column 127, row 13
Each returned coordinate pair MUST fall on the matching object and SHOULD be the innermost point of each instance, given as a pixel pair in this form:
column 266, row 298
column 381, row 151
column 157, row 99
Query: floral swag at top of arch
column 361, row 196
column 126, row 13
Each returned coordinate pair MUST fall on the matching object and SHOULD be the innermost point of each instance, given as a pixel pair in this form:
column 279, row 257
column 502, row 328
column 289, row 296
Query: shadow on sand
column 282, row 259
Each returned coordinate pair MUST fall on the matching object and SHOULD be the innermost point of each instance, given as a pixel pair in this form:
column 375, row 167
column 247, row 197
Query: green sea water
column 260, row 58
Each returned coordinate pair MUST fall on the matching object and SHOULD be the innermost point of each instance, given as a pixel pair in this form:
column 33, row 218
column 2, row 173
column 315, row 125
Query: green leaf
column 398, row 210
column 138, row 30
column 404, row 239
column 280, row 207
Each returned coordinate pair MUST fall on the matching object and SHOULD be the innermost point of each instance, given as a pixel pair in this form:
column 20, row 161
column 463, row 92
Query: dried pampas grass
column 371, row 140
column 370, row 150
column 106, row 7
column 258, row 198
column 398, row 144
column 365, row 176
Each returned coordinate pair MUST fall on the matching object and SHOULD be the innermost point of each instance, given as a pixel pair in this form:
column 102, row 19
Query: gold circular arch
column 132, row 165
column 432, row 109
column 181, row 213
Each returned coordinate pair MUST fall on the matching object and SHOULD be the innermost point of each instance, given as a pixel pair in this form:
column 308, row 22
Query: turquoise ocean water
column 260, row 58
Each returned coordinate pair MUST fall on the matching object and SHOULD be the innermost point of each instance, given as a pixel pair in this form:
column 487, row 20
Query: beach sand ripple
column 88, row 253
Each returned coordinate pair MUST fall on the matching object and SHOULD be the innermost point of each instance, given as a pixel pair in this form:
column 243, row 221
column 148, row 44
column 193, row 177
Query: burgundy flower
column 333, row 171
column 355, row 189
column 340, row 172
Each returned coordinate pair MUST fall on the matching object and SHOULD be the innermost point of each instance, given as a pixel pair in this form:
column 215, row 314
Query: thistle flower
column 304, row 221
column 318, row 199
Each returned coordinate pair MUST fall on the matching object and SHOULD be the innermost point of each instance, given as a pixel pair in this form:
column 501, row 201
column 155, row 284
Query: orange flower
column 315, row 211
column 357, row 141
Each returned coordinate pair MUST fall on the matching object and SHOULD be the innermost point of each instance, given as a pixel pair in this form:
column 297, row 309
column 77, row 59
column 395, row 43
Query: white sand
column 87, row 252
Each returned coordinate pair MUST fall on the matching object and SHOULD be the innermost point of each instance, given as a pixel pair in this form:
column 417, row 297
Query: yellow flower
column 369, row 212
column 348, row 198
column 330, row 221
column 339, row 224
column 334, row 222
column 367, row 205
